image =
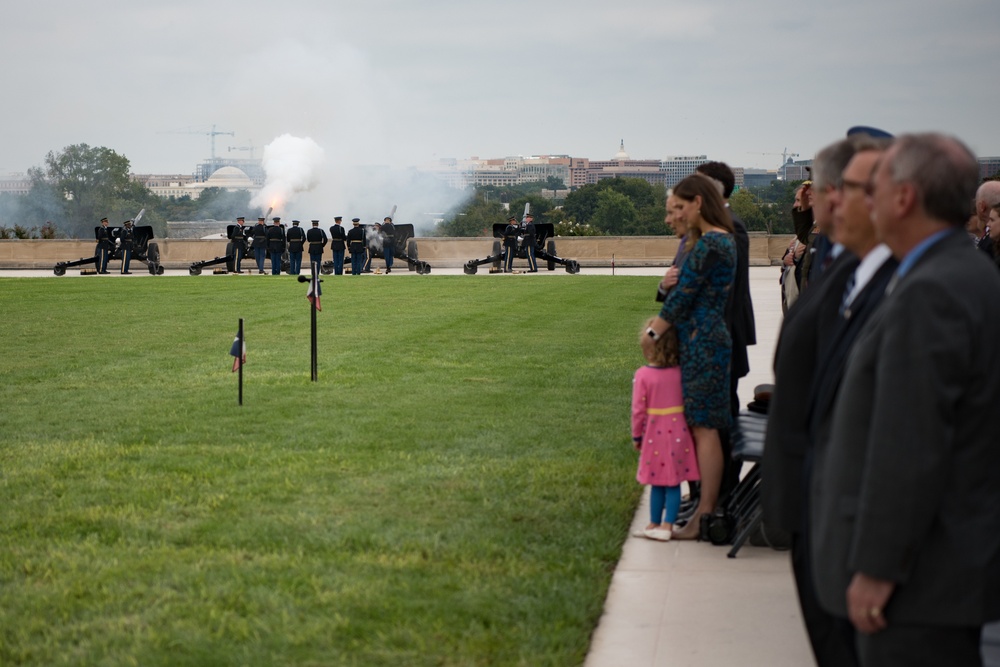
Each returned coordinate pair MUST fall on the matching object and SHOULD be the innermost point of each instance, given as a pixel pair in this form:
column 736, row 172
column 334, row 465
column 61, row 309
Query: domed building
column 231, row 179
column 621, row 155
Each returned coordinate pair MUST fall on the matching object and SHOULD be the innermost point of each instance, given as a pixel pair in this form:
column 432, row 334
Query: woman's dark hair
column 713, row 208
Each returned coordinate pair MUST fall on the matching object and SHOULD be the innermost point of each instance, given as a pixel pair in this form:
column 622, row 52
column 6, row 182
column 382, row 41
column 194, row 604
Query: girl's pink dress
column 668, row 456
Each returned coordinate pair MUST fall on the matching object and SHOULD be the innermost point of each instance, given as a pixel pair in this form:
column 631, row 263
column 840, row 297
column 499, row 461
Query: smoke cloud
column 292, row 165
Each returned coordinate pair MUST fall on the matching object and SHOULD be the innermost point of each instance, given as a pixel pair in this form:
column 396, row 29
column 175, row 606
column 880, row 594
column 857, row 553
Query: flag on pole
column 314, row 292
column 239, row 353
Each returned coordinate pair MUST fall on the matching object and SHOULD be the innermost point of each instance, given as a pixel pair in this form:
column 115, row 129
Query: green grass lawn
column 455, row 489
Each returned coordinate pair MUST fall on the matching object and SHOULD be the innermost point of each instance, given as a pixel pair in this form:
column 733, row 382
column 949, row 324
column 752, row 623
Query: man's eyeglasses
column 865, row 186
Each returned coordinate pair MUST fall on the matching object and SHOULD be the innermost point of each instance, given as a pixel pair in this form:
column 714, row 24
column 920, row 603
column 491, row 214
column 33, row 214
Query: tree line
column 610, row 207
column 80, row 184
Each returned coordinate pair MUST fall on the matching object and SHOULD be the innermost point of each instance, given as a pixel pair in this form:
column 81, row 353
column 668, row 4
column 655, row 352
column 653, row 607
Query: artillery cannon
column 373, row 246
column 143, row 250
column 545, row 249
column 233, row 247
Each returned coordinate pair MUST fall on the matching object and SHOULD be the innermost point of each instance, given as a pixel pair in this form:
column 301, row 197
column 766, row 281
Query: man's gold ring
column 874, row 612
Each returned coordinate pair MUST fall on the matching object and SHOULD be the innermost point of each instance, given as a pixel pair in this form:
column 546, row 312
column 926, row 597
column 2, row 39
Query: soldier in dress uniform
column 103, row 246
column 276, row 245
column 528, row 232
column 296, row 238
column 388, row 242
column 356, row 244
column 238, row 238
column 338, row 244
column 128, row 243
column 510, row 234
column 317, row 241
column 259, row 244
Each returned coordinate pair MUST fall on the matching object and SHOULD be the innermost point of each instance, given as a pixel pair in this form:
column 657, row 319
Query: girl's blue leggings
column 664, row 497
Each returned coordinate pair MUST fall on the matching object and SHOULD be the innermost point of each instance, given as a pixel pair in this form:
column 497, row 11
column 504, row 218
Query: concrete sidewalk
column 686, row 603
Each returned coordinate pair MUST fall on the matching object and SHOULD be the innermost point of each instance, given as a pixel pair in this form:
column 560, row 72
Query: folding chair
column 743, row 504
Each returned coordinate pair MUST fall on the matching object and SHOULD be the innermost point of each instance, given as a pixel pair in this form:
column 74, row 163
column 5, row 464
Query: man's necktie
column 848, row 288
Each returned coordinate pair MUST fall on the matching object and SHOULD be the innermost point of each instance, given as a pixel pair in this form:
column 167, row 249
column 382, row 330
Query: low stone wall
column 442, row 252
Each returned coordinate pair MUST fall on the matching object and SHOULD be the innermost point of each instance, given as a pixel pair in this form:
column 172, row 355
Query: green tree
column 475, row 217
column 540, row 206
column 614, row 214
column 648, row 202
column 570, row 228
column 745, row 205
column 776, row 202
column 582, row 204
column 83, row 185
column 212, row 204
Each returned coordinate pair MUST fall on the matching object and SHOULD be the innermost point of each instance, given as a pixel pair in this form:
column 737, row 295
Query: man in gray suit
column 905, row 498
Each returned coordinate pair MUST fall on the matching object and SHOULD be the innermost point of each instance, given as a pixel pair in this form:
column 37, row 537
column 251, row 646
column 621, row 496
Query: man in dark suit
column 809, row 331
column 905, row 497
column 859, row 297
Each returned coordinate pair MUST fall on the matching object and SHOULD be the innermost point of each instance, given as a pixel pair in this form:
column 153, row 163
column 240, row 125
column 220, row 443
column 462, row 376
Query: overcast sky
column 404, row 83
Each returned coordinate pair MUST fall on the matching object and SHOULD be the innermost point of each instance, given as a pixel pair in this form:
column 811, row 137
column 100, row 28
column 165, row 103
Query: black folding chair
column 743, row 503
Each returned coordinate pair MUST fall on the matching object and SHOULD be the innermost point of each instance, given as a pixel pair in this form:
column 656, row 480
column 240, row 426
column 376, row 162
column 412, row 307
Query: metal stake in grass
column 313, row 295
column 239, row 353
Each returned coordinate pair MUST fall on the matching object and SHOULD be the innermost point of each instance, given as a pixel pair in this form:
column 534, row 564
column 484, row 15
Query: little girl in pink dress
column 661, row 435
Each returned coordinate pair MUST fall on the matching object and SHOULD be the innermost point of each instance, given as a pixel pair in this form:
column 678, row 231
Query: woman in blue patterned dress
column 696, row 307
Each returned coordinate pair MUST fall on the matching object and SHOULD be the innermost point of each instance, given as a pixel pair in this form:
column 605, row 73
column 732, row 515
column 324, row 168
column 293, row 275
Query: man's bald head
column 987, row 196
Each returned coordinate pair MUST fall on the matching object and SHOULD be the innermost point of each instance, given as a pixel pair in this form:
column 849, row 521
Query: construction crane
column 785, row 156
column 212, row 133
column 248, row 147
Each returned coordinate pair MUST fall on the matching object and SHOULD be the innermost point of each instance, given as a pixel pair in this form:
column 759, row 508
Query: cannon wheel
column 550, row 247
column 59, row 270
column 411, row 252
column 497, row 251
column 153, row 259
column 195, row 271
column 470, row 268
column 231, row 251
